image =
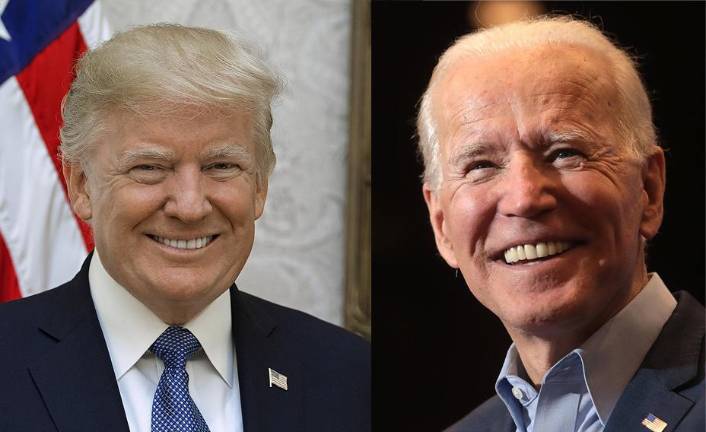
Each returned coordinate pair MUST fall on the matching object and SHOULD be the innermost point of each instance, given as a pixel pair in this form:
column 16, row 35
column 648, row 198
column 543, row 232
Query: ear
column 653, row 183
column 438, row 224
column 77, row 186
column 260, row 196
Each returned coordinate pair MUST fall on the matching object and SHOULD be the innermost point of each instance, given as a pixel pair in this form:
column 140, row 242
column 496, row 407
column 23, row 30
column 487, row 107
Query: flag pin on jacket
column 654, row 423
column 279, row 380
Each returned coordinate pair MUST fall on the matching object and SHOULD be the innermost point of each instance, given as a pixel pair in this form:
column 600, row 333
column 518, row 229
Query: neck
column 541, row 348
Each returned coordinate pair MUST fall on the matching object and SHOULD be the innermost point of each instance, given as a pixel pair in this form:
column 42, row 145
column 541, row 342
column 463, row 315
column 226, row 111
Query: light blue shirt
column 579, row 392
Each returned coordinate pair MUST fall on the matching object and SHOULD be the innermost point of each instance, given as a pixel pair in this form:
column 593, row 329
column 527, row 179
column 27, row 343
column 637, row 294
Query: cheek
column 470, row 213
column 612, row 204
column 237, row 205
column 125, row 208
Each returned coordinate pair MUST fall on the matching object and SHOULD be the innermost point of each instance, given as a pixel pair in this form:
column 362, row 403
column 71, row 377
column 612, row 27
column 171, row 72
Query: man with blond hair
column 544, row 181
column 167, row 154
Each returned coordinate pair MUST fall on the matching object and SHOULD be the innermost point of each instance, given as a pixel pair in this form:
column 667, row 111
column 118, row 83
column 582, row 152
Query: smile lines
column 196, row 243
column 534, row 251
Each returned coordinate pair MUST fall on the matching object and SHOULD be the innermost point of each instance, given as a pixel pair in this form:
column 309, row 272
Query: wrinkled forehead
column 566, row 76
column 185, row 128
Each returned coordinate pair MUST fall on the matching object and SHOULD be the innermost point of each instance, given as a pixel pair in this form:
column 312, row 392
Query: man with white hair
column 166, row 153
column 544, row 181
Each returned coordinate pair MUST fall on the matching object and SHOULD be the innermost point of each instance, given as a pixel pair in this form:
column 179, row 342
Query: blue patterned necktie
column 173, row 410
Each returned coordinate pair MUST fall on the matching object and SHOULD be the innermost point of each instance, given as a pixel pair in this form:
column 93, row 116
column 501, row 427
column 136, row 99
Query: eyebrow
column 479, row 149
column 226, row 151
column 128, row 157
column 469, row 151
column 571, row 135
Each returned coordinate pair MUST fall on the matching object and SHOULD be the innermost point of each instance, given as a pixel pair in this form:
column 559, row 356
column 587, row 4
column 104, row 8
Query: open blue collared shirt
column 580, row 391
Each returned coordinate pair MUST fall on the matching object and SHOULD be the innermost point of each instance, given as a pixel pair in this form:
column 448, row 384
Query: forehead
column 549, row 84
column 182, row 131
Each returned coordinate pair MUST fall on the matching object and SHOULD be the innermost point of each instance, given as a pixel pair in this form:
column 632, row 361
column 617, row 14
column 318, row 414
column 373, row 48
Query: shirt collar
column 130, row 327
column 611, row 356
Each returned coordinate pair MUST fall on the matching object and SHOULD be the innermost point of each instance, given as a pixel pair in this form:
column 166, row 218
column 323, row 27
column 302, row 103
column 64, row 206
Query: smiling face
column 540, row 205
column 172, row 203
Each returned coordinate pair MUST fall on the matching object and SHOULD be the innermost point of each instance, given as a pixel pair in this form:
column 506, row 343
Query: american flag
column 654, row 423
column 277, row 379
column 42, row 243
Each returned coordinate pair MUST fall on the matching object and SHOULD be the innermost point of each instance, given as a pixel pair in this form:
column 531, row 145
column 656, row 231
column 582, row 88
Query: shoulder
column 28, row 311
column 307, row 332
column 492, row 415
column 21, row 320
column 70, row 301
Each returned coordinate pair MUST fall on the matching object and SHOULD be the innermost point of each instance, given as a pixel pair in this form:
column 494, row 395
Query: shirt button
column 517, row 393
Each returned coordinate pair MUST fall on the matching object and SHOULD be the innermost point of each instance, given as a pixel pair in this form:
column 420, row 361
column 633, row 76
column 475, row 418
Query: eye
column 223, row 166
column 146, row 169
column 479, row 165
column 147, row 173
column 565, row 153
column 478, row 171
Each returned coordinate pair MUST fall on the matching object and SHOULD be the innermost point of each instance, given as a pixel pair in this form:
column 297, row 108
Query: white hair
column 161, row 70
column 634, row 122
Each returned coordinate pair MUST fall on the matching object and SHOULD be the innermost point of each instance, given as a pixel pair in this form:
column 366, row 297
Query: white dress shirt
column 130, row 328
column 581, row 390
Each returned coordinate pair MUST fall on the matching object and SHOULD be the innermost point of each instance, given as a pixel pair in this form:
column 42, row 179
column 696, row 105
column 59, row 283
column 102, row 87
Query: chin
column 548, row 318
column 183, row 288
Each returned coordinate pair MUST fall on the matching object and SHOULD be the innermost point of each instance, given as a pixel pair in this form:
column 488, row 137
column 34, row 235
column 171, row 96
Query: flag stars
column 4, row 34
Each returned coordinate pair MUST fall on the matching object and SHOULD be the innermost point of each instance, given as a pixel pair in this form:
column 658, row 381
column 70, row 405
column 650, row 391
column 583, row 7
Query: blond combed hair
column 162, row 70
column 634, row 122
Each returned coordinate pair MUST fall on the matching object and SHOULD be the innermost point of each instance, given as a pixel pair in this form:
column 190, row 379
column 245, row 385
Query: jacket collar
column 670, row 367
column 75, row 378
column 259, row 346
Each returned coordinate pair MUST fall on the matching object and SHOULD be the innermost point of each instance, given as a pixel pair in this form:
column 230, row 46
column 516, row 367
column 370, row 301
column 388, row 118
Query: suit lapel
column 75, row 377
column 258, row 347
column 671, row 362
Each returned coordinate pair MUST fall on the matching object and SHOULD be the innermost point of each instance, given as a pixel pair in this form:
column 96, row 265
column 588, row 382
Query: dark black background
column 437, row 351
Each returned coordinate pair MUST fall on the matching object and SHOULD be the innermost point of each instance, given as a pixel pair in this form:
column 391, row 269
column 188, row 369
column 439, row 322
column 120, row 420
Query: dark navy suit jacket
column 56, row 374
column 668, row 384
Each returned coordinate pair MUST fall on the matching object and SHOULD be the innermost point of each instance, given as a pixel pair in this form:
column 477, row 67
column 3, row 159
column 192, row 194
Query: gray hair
column 158, row 70
column 634, row 122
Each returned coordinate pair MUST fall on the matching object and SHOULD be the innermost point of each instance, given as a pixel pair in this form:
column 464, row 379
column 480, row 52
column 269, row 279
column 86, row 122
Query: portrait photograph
column 439, row 351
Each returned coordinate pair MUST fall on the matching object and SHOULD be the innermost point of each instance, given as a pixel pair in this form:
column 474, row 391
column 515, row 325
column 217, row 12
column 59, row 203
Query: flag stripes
column 44, row 82
column 42, row 244
column 8, row 279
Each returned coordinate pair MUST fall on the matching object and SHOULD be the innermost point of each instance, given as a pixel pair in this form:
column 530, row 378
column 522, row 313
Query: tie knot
column 175, row 346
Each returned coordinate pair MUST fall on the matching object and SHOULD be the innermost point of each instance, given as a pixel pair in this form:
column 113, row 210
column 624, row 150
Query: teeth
column 196, row 243
column 542, row 250
column 534, row 251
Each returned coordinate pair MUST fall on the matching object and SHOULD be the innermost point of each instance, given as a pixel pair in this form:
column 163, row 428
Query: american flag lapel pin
column 654, row 423
column 277, row 379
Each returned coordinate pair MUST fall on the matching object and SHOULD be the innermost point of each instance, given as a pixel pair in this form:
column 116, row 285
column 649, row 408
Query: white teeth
column 542, row 250
column 551, row 248
column 534, row 251
column 530, row 252
column 196, row 243
column 510, row 255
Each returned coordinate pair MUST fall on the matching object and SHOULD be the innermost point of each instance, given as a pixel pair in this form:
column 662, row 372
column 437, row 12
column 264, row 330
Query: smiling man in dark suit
column 167, row 153
column 544, row 181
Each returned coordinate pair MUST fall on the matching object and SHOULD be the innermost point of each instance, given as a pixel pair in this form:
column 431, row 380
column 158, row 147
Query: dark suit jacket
column 56, row 374
column 668, row 384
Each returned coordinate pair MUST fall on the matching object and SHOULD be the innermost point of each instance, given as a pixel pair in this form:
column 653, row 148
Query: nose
column 528, row 189
column 188, row 199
